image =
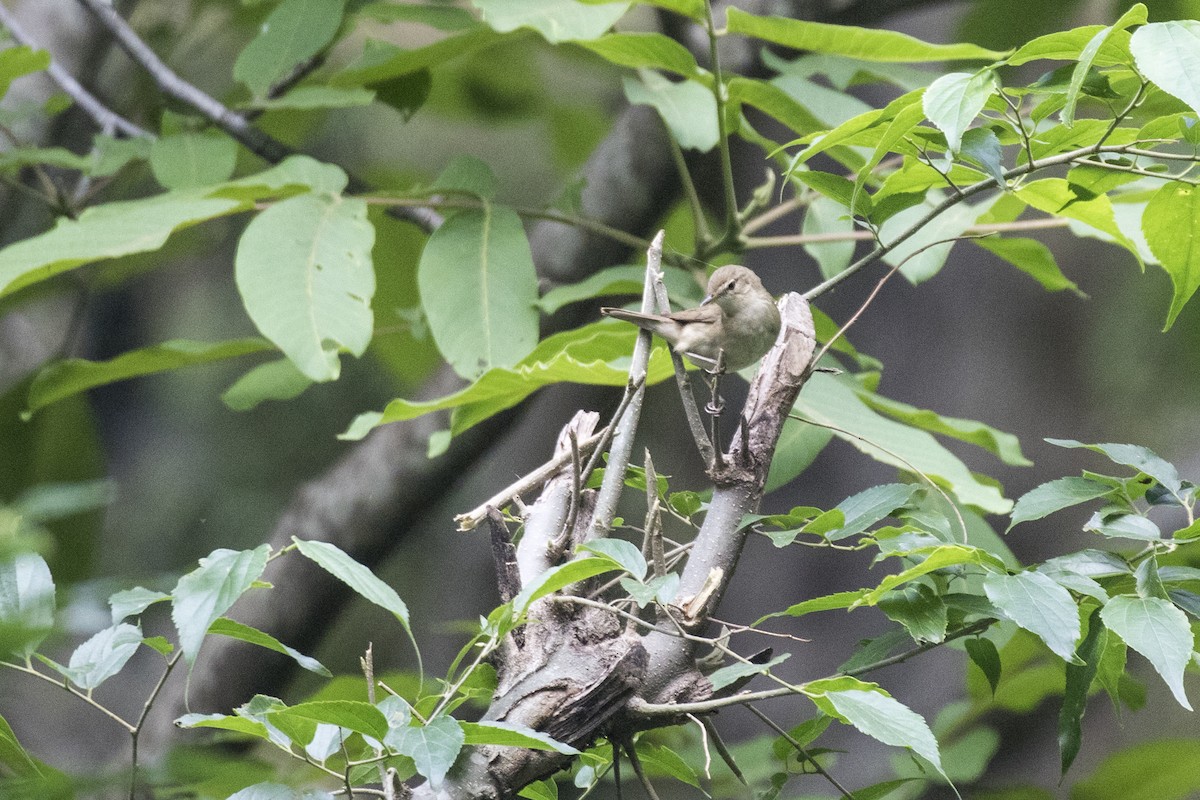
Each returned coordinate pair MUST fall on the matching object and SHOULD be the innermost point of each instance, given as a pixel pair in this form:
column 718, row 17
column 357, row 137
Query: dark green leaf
column 479, row 290
column 984, row 655
column 352, row 715
column 1136, row 15
column 1054, row 496
column 224, row 626
column 919, row 609
column 208, row 591
column 294, row 31
column 304, row 272
column 982, row 146
column 342, row 566
column 1031, row 257
column 1079, row 682
column 507, row 734
column 742, row 669
column 317, row 97
column 62, row 379
column 13, row 757
column 866, row 508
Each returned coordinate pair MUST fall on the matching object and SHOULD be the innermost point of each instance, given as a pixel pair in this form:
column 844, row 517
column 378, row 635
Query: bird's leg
column 716, row 405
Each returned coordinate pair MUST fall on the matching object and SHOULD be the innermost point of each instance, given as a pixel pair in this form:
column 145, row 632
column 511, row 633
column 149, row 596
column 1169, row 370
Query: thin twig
column 799, row 748
column 141, row 720
column 107, row 120
column 64, row 684
column 699, row 223
column 707, row 724
column 636, row 762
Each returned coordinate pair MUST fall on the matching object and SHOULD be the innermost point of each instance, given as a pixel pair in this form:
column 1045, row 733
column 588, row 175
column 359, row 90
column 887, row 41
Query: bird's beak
column 708, row 299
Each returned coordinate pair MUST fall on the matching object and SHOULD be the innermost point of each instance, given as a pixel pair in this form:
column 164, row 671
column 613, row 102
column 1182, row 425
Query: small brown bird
column 738, row 317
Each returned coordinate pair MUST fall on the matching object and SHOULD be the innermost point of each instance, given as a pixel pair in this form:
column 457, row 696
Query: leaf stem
column 731, row 206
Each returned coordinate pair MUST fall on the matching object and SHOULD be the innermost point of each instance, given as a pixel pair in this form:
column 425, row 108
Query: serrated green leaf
column 342, row 566
column 26, row 602
column 869, row 45
column 624, row 554
column 350, row 714
column 688, row 108
column 69, row 377
column 953, row 101
column 1039, row 605
column 294, row 31
column 1069, row 45
column 432, row 747
column 982, row 146
column 1159, row 631
column 479, row 290
column 734, row 672
column 128, row 602
column 555, row 578
column 224, row 626
column 1136, row 15
column 1078, row 683
column 1141, row 458
column 102, row 656
column 826, row 400
column 507, row 734
column 1169, row 224
column 1054, row 496
column 864, row 509
column 304, row 272
column 1168, row 53
column 1123, row 526
column 207, row 592
column 919, row 609
column 940, row 557
column 1056, row 196
column 882, row 717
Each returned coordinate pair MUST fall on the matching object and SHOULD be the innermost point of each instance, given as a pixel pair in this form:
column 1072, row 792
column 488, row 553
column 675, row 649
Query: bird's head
column 732, row 286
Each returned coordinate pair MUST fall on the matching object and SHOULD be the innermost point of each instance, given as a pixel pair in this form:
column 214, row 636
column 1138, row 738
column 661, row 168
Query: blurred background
column 980, row 341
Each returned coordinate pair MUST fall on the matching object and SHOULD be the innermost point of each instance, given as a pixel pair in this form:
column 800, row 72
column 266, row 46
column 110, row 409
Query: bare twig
column 109, row 121
column 636, row 763
column 799, row 748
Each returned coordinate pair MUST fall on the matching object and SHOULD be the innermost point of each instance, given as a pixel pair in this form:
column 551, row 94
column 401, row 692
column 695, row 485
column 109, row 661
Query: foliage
column 1103, row 145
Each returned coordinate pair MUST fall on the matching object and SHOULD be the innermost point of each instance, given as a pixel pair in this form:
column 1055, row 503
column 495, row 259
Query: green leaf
column 828, row 217
column 799, row 445
column 984, row 655
column 342, row 566
column 864, row 509
column 557, row 20
column 940, row 557
column 69, row 377
column 867, row 44
column 1069, row 45
column 1056, row 196
column 953, row 101
column 948, row 225
column 1054, row 496
column 314, row 97
column 540, row 790
column 1123, row 526
column 1159, row 631
column 479, row 290
column 620, row 280
column 1031, row 257
column 1078, row 683
column 46, row 502
column 432, row 747
column 555, row 578
column 1136, row 15
column 303, row 269
column 1168, row 53
column 828, row 401
column 13, row 757
column 1164, row 769
column 558, row 358
column 141, row 226
column 382, row 61
column 207, row 592
column 274, row 380
column 624, row 554
column 1169, row 224
column 350, row 714
column 688, row 108
column 1039, row 605
column 296, row 30
column 129, row 602
column 735, row 672
column 278, row 791
column 919, row 609
column 18, row 61
column 26, row 603
column 507, row 734
column 1003, row 445
column 188, row 160
column 642, row 50
column 469, row 175
column 102, row 656
column 1136, row 456
column 224, row 626
column 878, row 715
column 982, row 146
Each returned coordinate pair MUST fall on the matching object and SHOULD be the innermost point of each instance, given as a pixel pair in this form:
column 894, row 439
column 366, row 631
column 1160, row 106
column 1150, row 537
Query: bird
column 738, row 318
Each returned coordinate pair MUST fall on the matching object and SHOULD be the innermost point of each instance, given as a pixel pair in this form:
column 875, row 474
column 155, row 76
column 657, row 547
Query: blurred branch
column 108, row 120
